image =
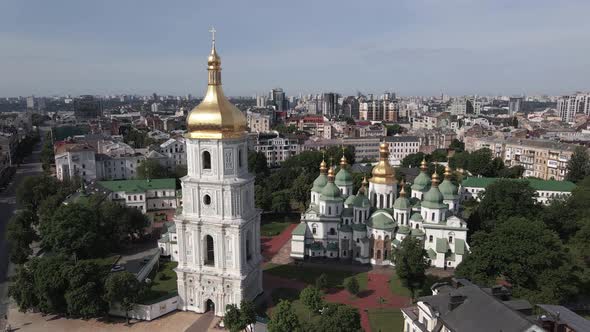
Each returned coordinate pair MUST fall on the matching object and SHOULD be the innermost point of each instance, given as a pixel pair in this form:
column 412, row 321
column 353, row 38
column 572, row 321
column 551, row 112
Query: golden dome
column 331, row 174
column 215, row 117
column 343, row 161
column 447, row 172
column 402, row 192
column 323, row 167
column 423, row 165
column 435, row 179
column 383, row 173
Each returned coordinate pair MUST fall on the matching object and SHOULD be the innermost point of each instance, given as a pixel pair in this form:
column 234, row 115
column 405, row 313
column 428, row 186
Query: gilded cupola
column 215, row 117
column 383, row 173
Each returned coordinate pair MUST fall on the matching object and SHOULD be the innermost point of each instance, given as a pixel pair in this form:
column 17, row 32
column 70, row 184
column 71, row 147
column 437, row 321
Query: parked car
column 117, row 268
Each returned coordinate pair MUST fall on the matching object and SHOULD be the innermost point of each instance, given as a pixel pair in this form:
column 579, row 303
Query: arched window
column 206, row 160
column 358, row 240
column 329, row 210
column 207, row 199
column 314, row 229
column 450, row 239
column 388, row 198
column 240, row 158
column 433, row 216
column 332, row 231
column 417, row 226
column 380, row 201
column 385, row 254
column 210, row 251
column 344, row 253
column 374, row 199
column 430, row 238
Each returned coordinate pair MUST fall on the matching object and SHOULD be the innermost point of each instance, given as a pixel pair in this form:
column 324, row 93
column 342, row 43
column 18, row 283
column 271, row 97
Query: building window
column 358, row 240
column 432, row 216
column 344, row 253
column 378, row 254
column 313, row 230
column 332, row 231
column 206, row 160
column 207, row 199
column 240, row 158
column 450, row 239
column 248, row 242
column 430, row 239
column 210, row 251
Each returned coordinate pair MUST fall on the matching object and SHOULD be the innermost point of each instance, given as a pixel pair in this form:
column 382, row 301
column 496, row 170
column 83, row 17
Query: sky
column 411, row 47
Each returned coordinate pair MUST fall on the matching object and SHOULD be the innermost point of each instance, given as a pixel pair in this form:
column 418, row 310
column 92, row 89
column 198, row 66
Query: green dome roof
column 319, row 183
column 330, row 193
column 433, row 199
column 416, row 217
column 381, row 219
column 343, row 178
column 401, row 203
column 448, row 189
column 349, row 200
column 361, row 201
column 421, row 182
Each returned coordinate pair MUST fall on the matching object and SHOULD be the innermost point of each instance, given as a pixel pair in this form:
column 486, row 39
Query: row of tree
column 288, row 187
column 542, row 251
column 333, row 316
column 57, row 285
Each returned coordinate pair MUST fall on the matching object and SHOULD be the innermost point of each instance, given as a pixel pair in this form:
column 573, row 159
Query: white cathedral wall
column 377, row 190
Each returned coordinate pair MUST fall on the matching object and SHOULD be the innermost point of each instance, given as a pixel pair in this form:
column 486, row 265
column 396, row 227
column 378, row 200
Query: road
column 30, row 166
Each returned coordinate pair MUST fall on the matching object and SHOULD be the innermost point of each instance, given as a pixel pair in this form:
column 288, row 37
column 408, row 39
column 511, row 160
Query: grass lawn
column 308, row 275
column 397, row 288
column 386, row 319
column 273, row 228
column 272, row 224
column 163, row 283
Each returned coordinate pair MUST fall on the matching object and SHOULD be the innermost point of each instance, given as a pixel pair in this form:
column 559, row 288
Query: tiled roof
column 138, row 186
column 544, row 185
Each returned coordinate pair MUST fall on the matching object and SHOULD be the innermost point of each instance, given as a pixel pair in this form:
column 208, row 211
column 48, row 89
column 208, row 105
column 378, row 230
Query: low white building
column 144, row 195
column 168, row 242
column 276, row 148
column 547, row 190
column 174, row 149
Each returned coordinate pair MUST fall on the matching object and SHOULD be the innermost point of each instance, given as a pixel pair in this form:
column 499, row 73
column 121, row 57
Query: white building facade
column 218, row 230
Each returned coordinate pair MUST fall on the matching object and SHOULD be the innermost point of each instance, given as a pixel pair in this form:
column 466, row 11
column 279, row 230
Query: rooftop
column 138, row 186
column 544, row 185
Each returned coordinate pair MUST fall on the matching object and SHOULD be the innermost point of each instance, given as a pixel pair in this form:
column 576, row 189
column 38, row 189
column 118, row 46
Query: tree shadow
column 365, row 293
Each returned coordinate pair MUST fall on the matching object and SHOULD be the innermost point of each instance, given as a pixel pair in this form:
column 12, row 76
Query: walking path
column 272, row 245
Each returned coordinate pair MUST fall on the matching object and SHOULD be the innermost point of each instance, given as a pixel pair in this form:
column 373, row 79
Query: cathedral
column 216, row 237
column 368, row 226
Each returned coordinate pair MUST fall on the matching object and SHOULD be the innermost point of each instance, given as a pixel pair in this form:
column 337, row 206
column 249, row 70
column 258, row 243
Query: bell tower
column 219, row 227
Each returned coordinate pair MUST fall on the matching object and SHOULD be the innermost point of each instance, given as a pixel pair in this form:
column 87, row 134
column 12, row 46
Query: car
column 117, row 268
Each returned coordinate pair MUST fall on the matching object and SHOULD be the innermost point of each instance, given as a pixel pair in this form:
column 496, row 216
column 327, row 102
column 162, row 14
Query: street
column 30, row 166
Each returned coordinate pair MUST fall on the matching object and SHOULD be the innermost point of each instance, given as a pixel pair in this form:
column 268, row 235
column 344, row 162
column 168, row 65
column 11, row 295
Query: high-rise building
column 515, row 105
column 330, row 104
column 261, row 101
column 30, row 102
column 568, row 106
column 278, row 99
column 218, row 230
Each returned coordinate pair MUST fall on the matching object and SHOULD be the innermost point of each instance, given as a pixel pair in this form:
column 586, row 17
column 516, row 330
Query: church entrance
column 209, row 306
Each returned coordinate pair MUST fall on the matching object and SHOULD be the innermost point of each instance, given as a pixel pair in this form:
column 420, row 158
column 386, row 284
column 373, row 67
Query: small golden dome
column 383, row 173
column 424, row 165
column 323, row 167
column 215, row 117
column 343, row 161
column 402, row 192
column 435, row 179
column 331, row 174
column 447, row 172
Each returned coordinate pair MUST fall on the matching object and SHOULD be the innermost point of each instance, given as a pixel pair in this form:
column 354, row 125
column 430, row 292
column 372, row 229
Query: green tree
column 457, row 145
column 352, row 286
column 135, row 223
column 151, row 169
column 34, row 189
column 339, row 318
column 439, row 155
column 280, row 201
column 414, row 159
column 262, row 197
column 514, row 172
column 411, row 264
column 247, row 313
column 283, row 318
column 257, row 164
column 322, row 281
column 479, row 161
column 506, row 198
column 232, row 319
column 84, row 297
column 51, row 281
column 22, row 288
column 312, row 298
column 578, row 167
column 526, row 254
column 301, row 188
column 123, row 288
column 394, row 129
column 74, row 229
column 20, row 235
column 47, row 156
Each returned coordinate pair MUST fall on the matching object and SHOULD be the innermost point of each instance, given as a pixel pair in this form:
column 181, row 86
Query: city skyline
column 412, row 48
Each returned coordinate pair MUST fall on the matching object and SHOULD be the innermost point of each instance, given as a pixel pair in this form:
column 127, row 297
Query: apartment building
column 400, row 147
column 258, row 122
column 275, row 147
column 144, row 195
column 379, row 110
column 365, row 148
column 431, row 120
column 569, row 106
column 543, row 159
column 174, row 151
